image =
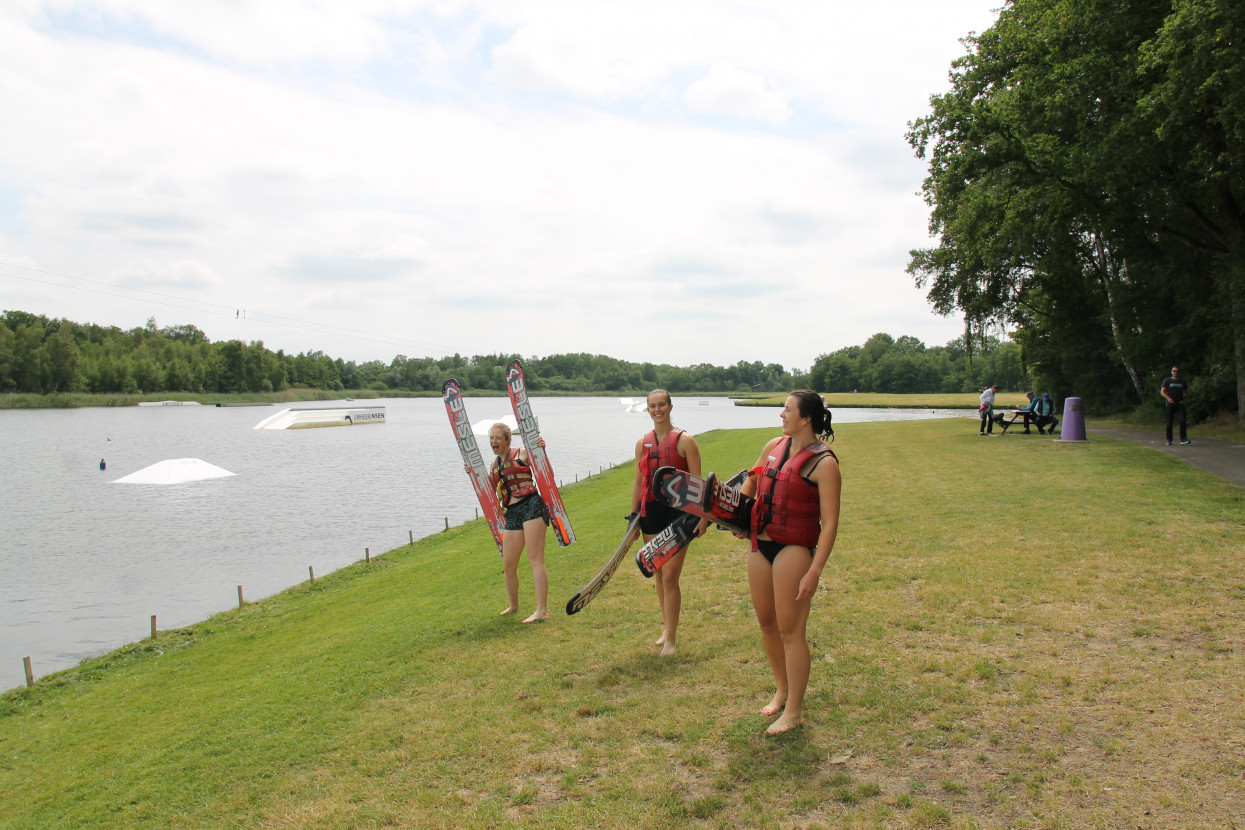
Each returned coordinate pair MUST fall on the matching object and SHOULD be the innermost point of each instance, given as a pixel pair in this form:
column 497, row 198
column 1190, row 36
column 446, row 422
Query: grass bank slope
column 1012, row 632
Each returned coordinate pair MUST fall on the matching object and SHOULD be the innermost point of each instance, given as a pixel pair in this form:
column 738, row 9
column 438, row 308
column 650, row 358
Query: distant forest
column 45, row 356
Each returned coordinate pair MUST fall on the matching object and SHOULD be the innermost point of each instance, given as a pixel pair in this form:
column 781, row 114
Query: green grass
column 948, row 400
column 1010, row 634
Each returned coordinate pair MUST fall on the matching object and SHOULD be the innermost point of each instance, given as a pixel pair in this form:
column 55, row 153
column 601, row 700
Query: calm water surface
column 84, row 563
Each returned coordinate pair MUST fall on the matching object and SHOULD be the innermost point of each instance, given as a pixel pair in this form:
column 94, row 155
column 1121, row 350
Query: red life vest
column 657, row 454
column 787, row 507
column 513, row 481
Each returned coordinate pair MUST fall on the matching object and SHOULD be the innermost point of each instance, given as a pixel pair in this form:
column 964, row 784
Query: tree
column 1086, row 161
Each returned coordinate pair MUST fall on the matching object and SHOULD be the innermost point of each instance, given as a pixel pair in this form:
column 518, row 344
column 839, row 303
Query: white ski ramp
column 175, row 471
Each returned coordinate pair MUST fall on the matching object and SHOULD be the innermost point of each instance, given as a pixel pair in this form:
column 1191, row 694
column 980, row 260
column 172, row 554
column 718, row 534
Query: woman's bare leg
column 511, row 550
column 534, row 535
column 761, row 587
column 792, row 616
column 670, row 599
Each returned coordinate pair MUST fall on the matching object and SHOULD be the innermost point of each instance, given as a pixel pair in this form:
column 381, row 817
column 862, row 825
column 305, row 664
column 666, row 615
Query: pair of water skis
column 696, row 498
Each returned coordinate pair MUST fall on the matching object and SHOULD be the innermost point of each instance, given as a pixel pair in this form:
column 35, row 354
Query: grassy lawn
column 1011, row 633
column 949, row 400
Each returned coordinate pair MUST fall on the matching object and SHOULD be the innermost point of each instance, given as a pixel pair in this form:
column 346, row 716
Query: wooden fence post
column 30, row 675
column 312, row 571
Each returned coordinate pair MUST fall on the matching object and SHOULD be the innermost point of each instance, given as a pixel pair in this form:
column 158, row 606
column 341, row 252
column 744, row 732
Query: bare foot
column 539, row 615
column 775, row 705
column 509, row 611
column 667, row 648
column 784, row 724
column 661, row 641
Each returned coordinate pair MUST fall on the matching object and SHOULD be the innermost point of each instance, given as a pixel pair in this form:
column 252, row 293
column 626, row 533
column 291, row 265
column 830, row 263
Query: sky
column 706, row 181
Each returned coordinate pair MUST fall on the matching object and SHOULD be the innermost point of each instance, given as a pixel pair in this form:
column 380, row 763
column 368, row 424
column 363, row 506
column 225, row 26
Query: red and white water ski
column 541, row 471
column 661, row 548
column 719, row 502
column 453, row 397
column 586, row 594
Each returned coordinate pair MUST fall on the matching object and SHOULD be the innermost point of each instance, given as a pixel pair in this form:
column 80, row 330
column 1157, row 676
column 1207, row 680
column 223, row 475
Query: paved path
column 1223, row 458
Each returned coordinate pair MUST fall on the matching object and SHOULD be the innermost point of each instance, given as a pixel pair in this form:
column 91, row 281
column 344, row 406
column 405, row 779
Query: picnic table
column 1012, row 416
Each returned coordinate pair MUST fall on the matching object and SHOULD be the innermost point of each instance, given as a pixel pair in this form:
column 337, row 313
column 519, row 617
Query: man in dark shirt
column 1174, row 391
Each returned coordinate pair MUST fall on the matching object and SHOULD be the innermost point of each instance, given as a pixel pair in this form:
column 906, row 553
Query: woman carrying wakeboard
column 795, row 521
column 663, row 446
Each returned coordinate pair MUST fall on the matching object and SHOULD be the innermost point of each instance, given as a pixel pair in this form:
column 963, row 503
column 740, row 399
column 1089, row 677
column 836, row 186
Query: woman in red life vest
column 526, row 519
column 796, row 518
column 664, row 446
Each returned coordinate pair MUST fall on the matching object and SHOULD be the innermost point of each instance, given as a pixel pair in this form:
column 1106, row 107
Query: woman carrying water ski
column 526, row 519
column 663, row 446
column 795, row 520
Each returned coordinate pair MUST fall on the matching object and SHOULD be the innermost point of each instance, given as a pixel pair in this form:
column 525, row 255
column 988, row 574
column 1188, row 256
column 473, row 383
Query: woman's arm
column 829, row 490
column 637, row 489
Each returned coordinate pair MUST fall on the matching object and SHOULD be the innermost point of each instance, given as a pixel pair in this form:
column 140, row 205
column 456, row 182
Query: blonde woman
column 526, row 519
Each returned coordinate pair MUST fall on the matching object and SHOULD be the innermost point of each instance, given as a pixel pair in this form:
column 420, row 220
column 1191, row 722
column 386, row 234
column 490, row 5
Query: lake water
column 85, row 563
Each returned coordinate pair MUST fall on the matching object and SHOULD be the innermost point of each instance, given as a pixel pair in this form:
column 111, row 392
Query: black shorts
column 657, row 517
column 524, row 510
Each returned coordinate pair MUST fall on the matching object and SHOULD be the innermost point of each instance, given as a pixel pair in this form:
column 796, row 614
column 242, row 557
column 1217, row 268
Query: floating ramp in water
column 343, row 416
column 175, row 471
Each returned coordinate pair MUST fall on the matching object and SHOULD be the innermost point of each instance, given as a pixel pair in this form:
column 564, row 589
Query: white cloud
column 608, row 170
column 179, row 275
column 734, row 92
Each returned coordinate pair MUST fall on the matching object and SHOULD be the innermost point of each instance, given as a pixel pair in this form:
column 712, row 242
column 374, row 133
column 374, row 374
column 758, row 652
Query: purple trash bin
column 1073, row 427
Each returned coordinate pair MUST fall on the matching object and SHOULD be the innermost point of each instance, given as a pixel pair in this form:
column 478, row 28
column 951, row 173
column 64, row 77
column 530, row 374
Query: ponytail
column 811, row 406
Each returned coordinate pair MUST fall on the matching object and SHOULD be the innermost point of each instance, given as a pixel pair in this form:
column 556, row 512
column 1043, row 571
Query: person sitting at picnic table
column 1029, row 410
column 1045, row 412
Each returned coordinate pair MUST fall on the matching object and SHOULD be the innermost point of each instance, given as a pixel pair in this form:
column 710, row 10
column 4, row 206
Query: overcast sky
column 678, row 182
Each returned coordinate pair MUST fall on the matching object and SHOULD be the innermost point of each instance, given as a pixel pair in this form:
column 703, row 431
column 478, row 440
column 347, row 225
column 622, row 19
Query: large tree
column 1085, row 175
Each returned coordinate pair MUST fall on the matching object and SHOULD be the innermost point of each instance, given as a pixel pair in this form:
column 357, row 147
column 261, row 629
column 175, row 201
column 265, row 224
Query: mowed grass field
column 1012, row 632
column 931, row 400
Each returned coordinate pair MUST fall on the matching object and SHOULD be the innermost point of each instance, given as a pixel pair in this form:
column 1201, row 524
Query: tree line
column 1087, row 181
column 42, row 355
column 905, row 366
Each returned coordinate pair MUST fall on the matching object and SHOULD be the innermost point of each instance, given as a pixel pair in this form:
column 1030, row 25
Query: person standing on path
column 1174, row 390
column 987, row 409
column 665, row 445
